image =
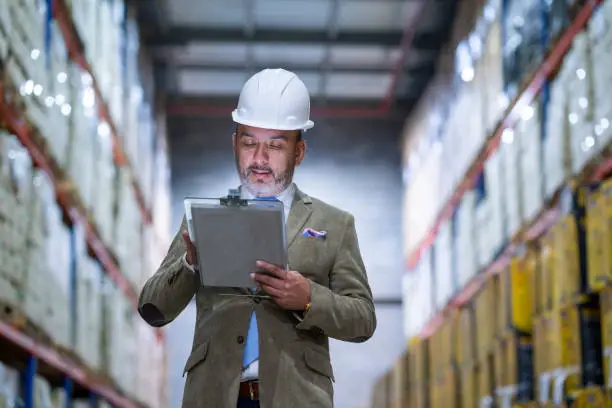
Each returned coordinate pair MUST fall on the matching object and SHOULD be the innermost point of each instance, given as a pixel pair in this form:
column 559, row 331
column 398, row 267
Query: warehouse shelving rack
column 16, row 345
column 595, row 170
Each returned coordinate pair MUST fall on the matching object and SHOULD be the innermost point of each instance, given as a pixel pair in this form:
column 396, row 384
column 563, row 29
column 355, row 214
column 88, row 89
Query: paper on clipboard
column 230, row 236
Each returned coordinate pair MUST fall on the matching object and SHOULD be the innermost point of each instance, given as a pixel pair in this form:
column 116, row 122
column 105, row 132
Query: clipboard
column 231, row 233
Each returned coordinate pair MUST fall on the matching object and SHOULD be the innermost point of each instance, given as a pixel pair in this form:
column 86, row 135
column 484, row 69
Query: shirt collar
column 286, row 196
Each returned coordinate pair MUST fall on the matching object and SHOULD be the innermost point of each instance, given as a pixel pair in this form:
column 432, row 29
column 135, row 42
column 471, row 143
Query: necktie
column 251, row 349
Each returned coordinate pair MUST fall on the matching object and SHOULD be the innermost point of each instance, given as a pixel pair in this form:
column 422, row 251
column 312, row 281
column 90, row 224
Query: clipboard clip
column 233, row 199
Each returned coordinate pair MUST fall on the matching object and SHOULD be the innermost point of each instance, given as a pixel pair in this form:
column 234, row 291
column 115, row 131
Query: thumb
column 186, row 238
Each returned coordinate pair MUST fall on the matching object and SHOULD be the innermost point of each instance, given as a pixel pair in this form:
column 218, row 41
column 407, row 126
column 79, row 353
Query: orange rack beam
column 64, row 366
column 547, row 216
column 510, row 118
column 76, row 51
column 14, row 122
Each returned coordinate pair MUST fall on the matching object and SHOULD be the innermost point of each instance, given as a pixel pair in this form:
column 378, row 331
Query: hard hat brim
column 236, row 117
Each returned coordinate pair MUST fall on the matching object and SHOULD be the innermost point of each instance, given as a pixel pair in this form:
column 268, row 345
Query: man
column 325, row 293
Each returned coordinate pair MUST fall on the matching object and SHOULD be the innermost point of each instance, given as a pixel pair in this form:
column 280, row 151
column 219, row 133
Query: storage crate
column 515, row 299
column 466, row 337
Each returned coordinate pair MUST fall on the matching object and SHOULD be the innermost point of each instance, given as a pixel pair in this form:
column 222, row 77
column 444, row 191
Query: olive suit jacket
column 294, row 362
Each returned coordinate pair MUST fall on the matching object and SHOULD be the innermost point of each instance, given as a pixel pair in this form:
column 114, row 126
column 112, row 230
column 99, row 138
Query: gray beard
column 280, row 183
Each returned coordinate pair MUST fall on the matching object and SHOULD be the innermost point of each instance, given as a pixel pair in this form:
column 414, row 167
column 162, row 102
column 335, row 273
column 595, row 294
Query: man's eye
column 248, row 144
column 276, row 146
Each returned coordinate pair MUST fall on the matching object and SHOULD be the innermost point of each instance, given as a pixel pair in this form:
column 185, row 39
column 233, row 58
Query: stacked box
column 46, row 288
column 557, row 142
column 485, row 307
column 128, row 228
column 9, row 392
column 598, row 239
column 580, row 103
column 26, row 64
column 606, row 334
column 510, row 152
column 59, row 102
column 515, row 307
column 103, row 175
column 531, row 167
column 89, row 292
column 496, row 198
column 444, row 276
column 484, row 249
column 466, row 236
column 418, row 291
column 15, row 191
column 419, row 373
column 82, row 135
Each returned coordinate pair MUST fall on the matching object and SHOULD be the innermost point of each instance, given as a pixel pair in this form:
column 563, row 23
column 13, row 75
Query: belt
column 249, row 389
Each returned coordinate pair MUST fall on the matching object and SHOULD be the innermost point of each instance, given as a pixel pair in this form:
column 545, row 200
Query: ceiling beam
column 177, row 36
column 422, row 70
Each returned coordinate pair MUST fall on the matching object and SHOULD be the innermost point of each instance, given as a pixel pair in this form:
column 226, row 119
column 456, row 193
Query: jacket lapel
column 300, row 212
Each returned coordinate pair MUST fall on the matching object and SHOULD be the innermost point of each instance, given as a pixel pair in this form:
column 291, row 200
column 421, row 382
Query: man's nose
column 260, row 155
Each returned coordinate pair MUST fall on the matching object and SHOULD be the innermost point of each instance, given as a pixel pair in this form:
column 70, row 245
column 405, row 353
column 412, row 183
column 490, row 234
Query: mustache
column 259, row 168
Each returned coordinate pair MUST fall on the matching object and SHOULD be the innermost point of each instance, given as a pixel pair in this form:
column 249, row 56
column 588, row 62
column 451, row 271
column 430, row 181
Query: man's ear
column 300, row 151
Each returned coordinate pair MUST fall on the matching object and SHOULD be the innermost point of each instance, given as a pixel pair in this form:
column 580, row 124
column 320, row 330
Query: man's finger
column 272, row 269
column 272, row 291
column 264, row 279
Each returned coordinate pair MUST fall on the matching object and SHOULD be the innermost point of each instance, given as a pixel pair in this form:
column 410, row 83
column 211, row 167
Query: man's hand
column 191, row 257
column 289, row 289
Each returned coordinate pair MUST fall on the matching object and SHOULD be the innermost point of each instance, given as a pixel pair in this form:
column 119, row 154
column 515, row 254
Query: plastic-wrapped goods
column 600, row 37
column 146, row 139
column 530, row 140
column 42, row 393
column 15, row 190
column 510, row 152
column 85, row 14
column 103, row 174
column 83, row 131
column 484, row 251
column 89, row 294
column 9, row 388
column 581, row 103
column 522, row 49
column 418, row 296
column 466, row 237
column 557, row 148
column 47, row 262
column 128, row 229
column 422, row 199
column 161, row 208
column 58, row 100
column 495, row 193
column 558, row 13
column 26, row 65
column 444, row 272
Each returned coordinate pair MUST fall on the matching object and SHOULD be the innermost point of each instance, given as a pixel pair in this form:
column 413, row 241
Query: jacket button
column 240, row 339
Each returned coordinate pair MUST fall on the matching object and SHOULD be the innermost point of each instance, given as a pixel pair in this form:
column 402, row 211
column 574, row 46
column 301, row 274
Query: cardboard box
column 466, row 342
column 596, row 237
column 469, row 385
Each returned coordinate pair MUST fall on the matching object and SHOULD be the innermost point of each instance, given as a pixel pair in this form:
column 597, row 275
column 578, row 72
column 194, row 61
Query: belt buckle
column 251, row 390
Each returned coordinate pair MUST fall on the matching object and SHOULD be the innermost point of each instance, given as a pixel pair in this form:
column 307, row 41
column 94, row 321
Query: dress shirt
column 286, row 197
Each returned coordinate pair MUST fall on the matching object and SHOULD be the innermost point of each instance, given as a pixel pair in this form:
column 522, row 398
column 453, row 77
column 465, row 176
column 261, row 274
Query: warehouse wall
column 353, row 164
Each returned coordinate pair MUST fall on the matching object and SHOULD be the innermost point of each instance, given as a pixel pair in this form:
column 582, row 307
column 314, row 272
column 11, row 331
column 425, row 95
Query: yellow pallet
column 606, row 197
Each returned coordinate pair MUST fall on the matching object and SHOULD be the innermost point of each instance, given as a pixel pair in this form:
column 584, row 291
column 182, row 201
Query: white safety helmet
column 274, row 99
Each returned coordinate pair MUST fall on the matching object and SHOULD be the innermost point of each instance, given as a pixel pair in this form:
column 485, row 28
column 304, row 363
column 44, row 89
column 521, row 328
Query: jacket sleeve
column 344, row 310
column 166, row 294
